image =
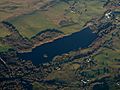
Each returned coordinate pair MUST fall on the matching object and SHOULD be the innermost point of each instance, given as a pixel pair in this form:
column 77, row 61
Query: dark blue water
column 116, row 12
column 48, row 51
column 118, row 4
column 101, row 87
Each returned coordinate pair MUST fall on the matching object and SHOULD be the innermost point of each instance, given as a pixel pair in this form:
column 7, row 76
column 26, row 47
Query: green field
column 3, row 31
column 107, row 58
column 4, row 48
column 30, row 24
column 109, row 55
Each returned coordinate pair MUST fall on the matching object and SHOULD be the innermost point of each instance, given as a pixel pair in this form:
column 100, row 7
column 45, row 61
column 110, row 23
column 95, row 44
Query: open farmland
column 67, row 17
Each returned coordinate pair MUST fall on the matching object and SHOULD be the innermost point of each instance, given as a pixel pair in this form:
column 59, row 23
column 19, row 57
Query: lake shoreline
column 41, row 43
column 63, row 44
column 49, row 41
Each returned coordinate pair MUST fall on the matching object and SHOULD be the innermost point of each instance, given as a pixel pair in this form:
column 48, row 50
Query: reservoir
column 46, row 52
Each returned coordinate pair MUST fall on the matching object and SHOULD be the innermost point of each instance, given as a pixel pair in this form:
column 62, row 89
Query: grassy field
column 107, row 58
column 29, row 25
column 110, row 54
column 37, row 21
column 3, row 31
column 4, row 48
